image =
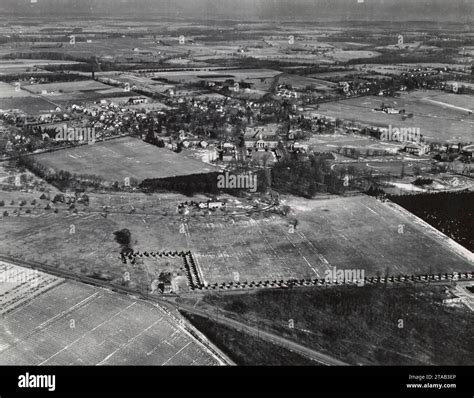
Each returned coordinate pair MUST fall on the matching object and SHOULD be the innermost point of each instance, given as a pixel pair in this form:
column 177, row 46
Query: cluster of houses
column 389, row 110
column 260, row 146
column 110, row 119
column 356, row 87
column 229, row 84
column 310, row 121
column 18, row 118
column 284, row 91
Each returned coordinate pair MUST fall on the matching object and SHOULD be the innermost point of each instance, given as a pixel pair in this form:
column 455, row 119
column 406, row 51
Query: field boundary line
column 454, row 246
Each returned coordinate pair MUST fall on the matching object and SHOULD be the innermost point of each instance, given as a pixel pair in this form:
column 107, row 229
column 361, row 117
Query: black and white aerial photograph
column 270, row 191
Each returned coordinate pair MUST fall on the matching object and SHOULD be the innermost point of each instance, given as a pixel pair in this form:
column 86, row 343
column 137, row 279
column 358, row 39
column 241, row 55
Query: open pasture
column 437, row 122
column 74, row 324
column 30, row 104
column 347, row 233
column 138, row 160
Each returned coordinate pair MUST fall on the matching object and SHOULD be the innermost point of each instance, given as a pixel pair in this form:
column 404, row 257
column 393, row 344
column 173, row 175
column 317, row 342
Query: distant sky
column 396, row 10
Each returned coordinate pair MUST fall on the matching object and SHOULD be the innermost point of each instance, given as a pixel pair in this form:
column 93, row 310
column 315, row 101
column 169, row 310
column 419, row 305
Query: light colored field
column 68, row 87
column 353, row 233
column 384, row 69
column 462, row 102
column 395, row 167
column 8, row 91
column 19, row 285
column 75, row 324
column 90, row 249
column 331, row 143
column 344, row 56
column 301, row 82
column 436, row 122
column 23, row 65
column 206, row 73
column 137, row 159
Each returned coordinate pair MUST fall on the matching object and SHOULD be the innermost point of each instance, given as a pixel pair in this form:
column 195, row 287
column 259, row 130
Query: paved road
column 171, row 300
column 273, row 338
column 292, row 346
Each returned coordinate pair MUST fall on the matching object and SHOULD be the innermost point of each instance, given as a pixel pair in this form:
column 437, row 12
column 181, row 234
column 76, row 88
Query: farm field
column 334, row 75
column 18, row 285
column 85, row 243
column 325, row 143
column 361, row 325
column 436, row 122
column 8, row 91
column 301, row 82
column 138, row 161
column 461, row 102
column 23, row 100
column 384, row 166
column 31, row 104
column 68, row 93
column 209, row 73
column 347, row 55
column 75, row 324
column 347, row 233
column 23, row 65
column 245, row 349
column 68, row 87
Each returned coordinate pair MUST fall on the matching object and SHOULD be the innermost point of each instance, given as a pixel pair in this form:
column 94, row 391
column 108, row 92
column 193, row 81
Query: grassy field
column 216, row 75
column 138, row 160
column 244, row 349
column 68, row 93
column 32, row 105
column 365, row 145
column 19, row 285
column 8, row 91
column 74, row 324
column 8, row 67
column 347, row 233
column 362, row 326
column 68, row 87
column 436, row 120
column 385, row 166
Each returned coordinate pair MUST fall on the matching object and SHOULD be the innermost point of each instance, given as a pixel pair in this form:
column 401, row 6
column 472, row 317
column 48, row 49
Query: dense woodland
column 451, row 213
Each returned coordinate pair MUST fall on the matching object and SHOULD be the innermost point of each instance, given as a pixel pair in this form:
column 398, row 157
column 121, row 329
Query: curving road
column 268, row 336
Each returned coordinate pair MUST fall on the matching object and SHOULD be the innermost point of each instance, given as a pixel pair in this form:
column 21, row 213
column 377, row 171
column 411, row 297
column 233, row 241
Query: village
column 224, row 191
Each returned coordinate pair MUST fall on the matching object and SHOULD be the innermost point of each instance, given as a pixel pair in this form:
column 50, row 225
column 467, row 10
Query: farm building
column 137, row 100
column 417, row 149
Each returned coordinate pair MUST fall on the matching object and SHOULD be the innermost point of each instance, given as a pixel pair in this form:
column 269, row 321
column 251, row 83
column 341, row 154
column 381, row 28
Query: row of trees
column 202, row 183
column 61, row 179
